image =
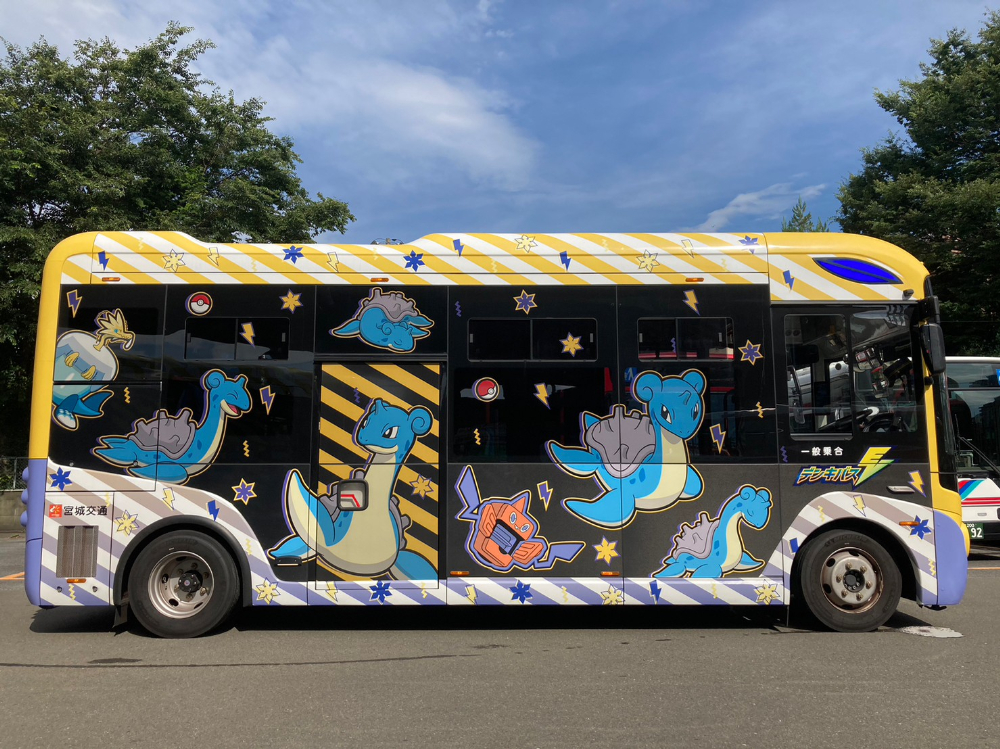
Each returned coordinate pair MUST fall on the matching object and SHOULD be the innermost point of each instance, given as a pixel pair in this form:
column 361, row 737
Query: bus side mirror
column 352, row 495
column 932, row 340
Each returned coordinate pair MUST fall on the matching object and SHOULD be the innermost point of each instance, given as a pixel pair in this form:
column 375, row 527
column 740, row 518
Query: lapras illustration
column 175, row 448
column 367, row 542
column 86, row 362
column 714, row 547
column 503, row 535
column 640, row 459
column 388, row 321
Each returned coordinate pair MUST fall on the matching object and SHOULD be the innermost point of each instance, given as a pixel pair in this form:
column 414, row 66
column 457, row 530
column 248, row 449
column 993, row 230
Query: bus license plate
column 975, row 530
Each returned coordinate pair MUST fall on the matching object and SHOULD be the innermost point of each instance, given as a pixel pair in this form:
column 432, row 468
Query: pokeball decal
column 199, row 303
column 486, row 389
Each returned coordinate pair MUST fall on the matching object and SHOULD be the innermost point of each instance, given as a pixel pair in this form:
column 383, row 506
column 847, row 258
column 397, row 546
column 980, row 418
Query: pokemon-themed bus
column 490, row 419
column 974, row 393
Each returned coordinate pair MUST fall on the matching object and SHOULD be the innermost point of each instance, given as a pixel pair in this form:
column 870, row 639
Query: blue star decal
column 521, row 592
column 293, row 253
column 750, row 352
column 749, row 242
column 413, row 261
column 920, row 529
column 525, row 302
column 380, row 590
column 60, row 479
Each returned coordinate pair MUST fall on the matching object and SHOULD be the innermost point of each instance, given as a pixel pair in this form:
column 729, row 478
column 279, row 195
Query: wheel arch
column 897, row 550
column 159, row 528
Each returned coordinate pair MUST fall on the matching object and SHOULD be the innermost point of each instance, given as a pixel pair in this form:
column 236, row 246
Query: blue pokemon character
column 175, row 448
column 641, row 460
column 388, row 321
column 713, row 547
column 366, row 542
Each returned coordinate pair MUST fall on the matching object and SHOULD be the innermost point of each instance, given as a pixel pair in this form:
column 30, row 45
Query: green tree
column 802, row 220
column 935, row 188
column 117, row 139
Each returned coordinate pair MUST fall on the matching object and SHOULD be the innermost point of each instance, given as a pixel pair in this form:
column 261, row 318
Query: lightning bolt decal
column 654, row 591
column 822, row 515
column 718, row 436
column 128, row 395
column 267, row 397
column 859, row 502
column 691, row 300
column 789, row 279
column 475, row 433
column 458, row 309
column 168, row 498
column 102, row 258
column 73, row 299
column 331, row 590
column 248, row 333
column 917, row 481
column 213, row 255
column 213, row 510
column 249, row 548
column 542, row 393
column 545, row 493
column 564, row 258
column 760, row 411
column 246, row 449
column 470, row 593
column 933, row 568
column 715, row 593
column 688, row 246
column 72, row 591
column 457, row 244
column 334, row 262
column 357, row 395
column 873, row 461
column 423, row 590
column 565, row 594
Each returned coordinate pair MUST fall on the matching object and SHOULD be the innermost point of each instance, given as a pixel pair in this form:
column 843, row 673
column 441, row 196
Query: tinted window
column 694, row 339
column 499, row 340
column 240, row 339
column 545, row 339
column 564, row 339
column 972, row 375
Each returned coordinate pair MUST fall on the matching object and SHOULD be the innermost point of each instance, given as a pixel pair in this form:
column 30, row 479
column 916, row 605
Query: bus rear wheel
column 848, row 581
column 183, row 584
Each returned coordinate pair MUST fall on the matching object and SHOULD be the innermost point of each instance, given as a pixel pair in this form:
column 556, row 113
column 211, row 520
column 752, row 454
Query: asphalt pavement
column 622, row 677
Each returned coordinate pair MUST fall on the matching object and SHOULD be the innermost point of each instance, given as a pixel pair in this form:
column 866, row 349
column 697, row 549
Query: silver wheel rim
column 851, row 580
column 181, row 585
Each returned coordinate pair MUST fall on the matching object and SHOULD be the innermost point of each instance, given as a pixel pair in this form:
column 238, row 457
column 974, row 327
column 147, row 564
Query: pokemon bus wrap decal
column 84, row 363
column 392, row 445
column 640, row 460
column 386, row 321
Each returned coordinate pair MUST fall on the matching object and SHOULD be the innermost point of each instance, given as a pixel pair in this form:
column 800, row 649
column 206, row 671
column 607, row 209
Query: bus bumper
column 952, row 560
column 33, row 519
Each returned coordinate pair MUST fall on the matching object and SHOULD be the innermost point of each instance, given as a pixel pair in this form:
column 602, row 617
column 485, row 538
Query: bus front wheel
column 848, row 581
column 183, row 584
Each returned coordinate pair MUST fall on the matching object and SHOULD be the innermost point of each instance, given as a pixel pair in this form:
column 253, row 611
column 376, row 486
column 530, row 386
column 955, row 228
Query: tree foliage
column 118, row 139
column 802, row 220
column 935, row 189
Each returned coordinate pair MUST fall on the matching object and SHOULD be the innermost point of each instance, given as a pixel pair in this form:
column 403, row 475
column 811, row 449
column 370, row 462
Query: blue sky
column 518, row 116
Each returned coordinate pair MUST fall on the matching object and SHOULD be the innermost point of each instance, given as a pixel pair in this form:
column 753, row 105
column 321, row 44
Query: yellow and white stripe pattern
column 782, row 261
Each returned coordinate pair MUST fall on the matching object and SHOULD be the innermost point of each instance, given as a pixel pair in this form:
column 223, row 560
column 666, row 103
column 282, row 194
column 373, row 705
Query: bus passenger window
column 818, row 375
column 563, row 339
column 266, row 338
column 210, row 338
column 499, row 340
column 702, row 339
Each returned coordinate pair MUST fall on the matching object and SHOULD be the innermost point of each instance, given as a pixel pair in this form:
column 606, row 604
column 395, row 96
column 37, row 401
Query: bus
column 648, row 419
column 975, row 407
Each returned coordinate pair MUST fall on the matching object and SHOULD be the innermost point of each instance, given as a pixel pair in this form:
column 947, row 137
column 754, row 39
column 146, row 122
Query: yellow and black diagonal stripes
column 347, row 390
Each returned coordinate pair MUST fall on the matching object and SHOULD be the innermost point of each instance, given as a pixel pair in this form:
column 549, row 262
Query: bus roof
column 795, row 266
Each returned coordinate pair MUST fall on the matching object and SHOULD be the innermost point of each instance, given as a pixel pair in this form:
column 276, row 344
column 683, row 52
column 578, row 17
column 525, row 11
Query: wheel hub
column 189, row 582
column 181, row 584
column 851, row 579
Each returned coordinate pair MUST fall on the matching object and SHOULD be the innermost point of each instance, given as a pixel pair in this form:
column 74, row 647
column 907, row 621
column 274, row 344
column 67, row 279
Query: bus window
column 544, row 339
column 819, row 396
column 236, row 339
column 700, row 339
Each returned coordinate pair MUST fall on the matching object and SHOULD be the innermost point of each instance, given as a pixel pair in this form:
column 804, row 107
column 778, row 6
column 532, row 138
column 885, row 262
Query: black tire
column 848, row 581
column 183, row 584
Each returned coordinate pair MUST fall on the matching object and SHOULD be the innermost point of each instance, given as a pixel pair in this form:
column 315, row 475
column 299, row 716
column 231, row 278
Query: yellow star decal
column 647, row 261
column 766, row 593
column 127, row 523
column 612, row 597
column 267, row 591
column 525, row 243
column 173, row 261
column 331, row 590
column 290, row 301
column 422, row 486
column 571, row 344
column 606, row 550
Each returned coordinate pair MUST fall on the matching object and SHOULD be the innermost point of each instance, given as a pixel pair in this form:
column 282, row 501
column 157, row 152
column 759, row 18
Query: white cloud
column 355, row 73
column 767, row 203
